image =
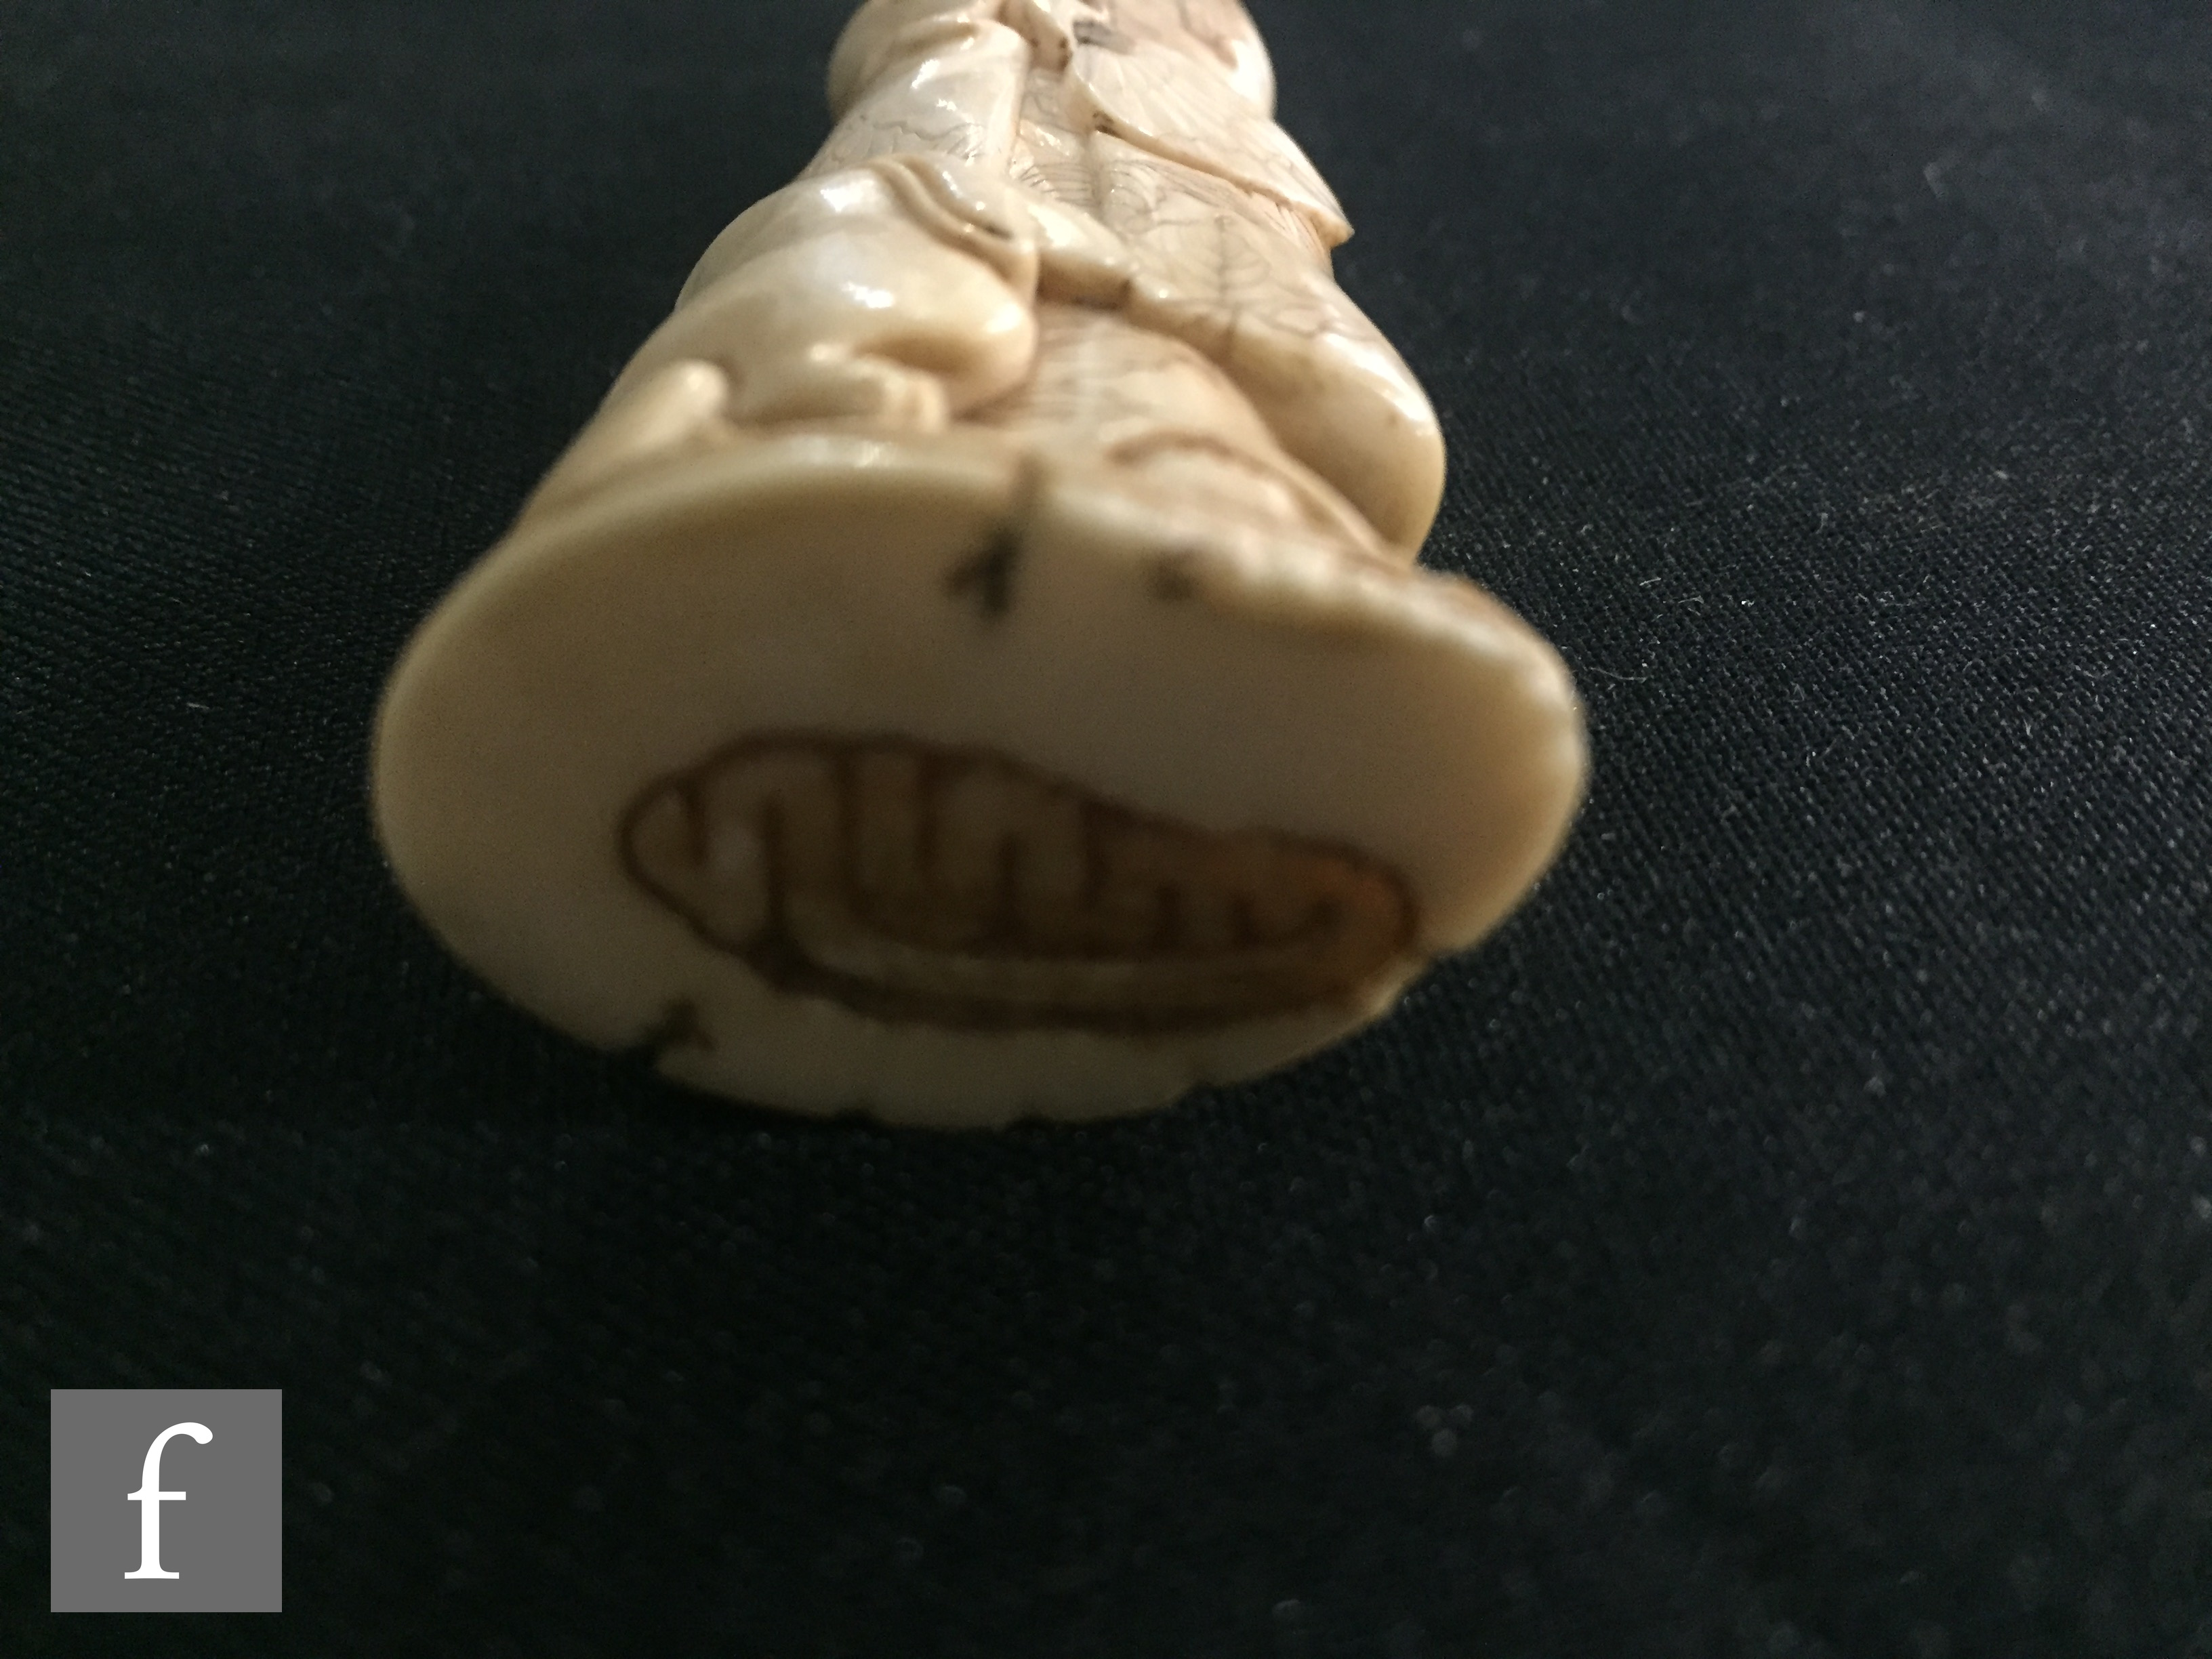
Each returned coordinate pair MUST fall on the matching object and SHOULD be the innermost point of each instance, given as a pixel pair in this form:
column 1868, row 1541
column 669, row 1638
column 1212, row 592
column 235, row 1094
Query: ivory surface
column 973, row 666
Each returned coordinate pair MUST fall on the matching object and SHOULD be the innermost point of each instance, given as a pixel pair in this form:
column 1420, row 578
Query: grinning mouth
column 924, row 884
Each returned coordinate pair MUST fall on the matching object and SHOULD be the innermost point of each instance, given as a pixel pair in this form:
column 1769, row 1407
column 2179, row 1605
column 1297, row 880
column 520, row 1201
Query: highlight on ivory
column 973, row 666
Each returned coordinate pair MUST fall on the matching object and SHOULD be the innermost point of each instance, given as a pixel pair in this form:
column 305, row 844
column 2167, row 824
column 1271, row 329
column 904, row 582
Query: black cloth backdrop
column 1791, row 1236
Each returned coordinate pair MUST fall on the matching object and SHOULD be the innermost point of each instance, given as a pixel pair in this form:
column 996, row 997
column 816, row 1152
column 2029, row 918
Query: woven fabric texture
column 1792, row 1236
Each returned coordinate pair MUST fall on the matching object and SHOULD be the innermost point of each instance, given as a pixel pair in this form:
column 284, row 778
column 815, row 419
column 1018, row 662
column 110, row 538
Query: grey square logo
column 168, row 1500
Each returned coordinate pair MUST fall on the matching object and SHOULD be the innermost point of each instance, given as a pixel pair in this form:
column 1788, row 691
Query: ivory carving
column 973, row 665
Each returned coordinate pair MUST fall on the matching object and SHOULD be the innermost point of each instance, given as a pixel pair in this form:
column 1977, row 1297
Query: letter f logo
column 150, row 1494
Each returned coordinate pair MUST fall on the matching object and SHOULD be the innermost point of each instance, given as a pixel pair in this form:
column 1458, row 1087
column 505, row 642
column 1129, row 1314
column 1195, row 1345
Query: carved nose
column 911, row 882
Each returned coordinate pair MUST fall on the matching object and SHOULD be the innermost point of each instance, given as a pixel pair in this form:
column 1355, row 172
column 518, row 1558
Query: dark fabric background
column 1792, row 1236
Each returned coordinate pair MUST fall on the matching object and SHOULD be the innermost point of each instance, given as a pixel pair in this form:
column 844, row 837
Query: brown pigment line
column 1000, row 931
column 929, row 782
column 689, row 792
column 1104, row 36
column 770, row 826
column 1094, row 855
column 844, row 779
column 990, row 575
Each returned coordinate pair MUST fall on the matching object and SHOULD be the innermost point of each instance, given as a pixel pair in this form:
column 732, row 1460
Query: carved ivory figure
column 973, row 665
